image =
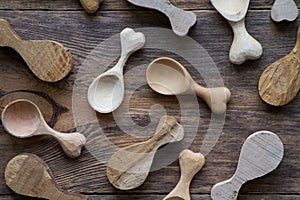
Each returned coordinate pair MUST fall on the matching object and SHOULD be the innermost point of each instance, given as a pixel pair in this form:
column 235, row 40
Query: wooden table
column 66, row 22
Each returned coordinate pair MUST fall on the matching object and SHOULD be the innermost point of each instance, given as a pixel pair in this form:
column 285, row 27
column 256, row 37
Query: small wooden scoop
column 129, row 167
column 167, row 76
column 190, row 165
column 279, row 84
column 284, row 10
column 261, row 153
column 181, row 21
column 23, row 119
column 91, row 6
column 48, row 60
column 29, row 175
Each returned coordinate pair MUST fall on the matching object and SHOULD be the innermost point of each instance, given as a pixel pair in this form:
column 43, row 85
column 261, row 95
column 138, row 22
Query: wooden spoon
column 167, row 76
column 129, row 167
column 244, row 46
column 23, row 119
column 280, row 83
column 106, row 92
column 284, row 10
column 29, row 175
column 181, row 21
column 261, row 153
column 48, row 60
column 190, row 164
column 91, row 6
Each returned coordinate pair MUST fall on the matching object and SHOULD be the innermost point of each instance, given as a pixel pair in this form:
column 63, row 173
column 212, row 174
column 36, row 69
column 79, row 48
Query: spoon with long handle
column 284, row 10
column 181, row 21
column 29, row 175
column 129, row 167
column 22, row 118
column 106, row 92
column 48, row 60
column 244, row 46
column 167, row 76
column 261, row 153
column 91, row 6
column 279, row 84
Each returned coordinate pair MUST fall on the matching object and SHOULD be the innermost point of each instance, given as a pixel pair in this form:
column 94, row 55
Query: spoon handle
column 90, row 6
column 284, row 10
column 8, row 37
column 244, row 46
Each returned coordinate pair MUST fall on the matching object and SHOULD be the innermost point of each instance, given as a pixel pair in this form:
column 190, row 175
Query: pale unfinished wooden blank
column 23, row 119
column 167, row 76
column 279, row 84
column 48, row 60
column 261, row 153
column 244, row 46
column 181, row 21
column 284, row 10
column 129, row 167
column 29, row 175
column 190, row 164
column 91, row 6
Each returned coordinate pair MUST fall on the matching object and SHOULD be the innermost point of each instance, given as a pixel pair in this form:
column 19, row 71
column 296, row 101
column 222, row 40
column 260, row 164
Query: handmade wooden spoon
column 261, row 153
column 106, row 92
column 190, row 164
column 29, row 175
column 48, row 60
column 91, row 6
column 284, row 10
column 181, row 21
column 244, row 46
column 167, row 76
column 129, row 167
column 23, row 119
column 280, row 83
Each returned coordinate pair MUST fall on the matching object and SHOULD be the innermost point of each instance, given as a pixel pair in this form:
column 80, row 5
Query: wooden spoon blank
column 48, row 60
column 90, row 6
column 190, row 164
column 284, row 10
column 29, row 175
column 261, row 153
column 129, row 167
column 280, row 83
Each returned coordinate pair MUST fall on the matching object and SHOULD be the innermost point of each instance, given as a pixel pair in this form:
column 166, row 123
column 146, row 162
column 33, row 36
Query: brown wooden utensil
column 23, row 119
column 29, row 175
column 129, row 167
column 48, row 60
column 280, row 83
column 90, row 6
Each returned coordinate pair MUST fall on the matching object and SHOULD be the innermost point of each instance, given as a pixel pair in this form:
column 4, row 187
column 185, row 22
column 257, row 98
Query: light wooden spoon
column 244, row 46
column 29, row 175
column 284, row 10
column 279, row 84
column 48, row 60
column 106, row 92
column 181, row 21
column 23, row 119
column 261, row 153
column 91, row 6
column 167, row 76
column 129, row 167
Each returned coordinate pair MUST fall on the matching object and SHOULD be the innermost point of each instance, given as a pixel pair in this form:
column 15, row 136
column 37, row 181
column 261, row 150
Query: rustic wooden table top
column 66, row 22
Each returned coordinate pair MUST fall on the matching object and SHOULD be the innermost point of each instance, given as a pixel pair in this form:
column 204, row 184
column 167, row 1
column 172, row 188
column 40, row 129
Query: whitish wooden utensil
column 167, row 76
column 244, row 46
column 190, row 164
column 106, row 92
column 29, row 175
column 181, row 21
column 284, row 10
column 279, row 84
column 91, row 6
column 129, row 167
column 23, row 119
column 48, row 60
column 261, row 153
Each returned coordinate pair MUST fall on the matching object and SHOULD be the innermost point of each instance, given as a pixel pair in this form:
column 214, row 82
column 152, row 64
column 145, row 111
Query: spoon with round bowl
column 22, row 118
column 106, row 92
column 167, row 76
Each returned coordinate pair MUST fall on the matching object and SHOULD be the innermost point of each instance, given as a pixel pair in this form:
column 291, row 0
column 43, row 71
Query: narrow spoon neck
column 199, row 90
column 297, row 46
column 239, row 28
column 121, row 63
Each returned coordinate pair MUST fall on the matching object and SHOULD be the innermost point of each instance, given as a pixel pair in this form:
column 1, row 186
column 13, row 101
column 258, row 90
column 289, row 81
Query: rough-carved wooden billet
column 90, row 6
column 284, row 10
